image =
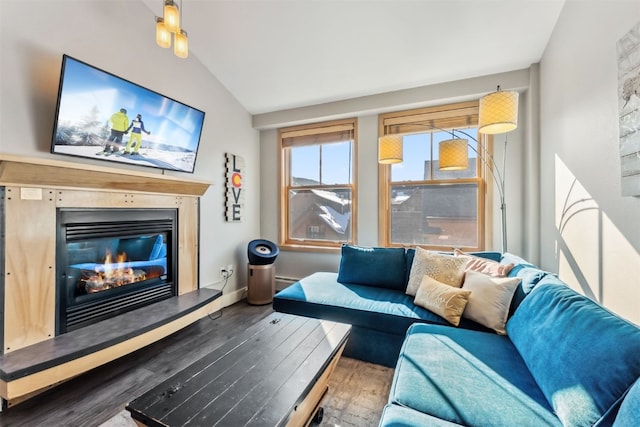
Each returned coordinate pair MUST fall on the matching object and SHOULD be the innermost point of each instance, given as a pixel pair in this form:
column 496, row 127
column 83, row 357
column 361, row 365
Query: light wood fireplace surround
column 32, row 357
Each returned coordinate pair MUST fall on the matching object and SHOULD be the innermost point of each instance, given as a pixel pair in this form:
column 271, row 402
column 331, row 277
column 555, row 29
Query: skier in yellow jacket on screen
column 119, row 124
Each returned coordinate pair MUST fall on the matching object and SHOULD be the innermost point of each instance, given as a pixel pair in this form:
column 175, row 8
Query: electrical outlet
column 223, row 272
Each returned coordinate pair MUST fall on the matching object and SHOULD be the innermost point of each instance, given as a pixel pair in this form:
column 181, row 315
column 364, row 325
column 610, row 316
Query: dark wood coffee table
column 273, row 374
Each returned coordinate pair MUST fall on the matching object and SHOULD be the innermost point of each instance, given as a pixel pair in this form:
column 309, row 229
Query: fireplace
column 39, row 196
column 110, row 261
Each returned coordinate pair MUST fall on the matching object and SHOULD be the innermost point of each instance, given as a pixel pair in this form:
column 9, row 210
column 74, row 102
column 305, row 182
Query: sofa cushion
column 379, row 267
column 321, row 295
column 378, row 315
column 490, row 299
column 447, row 269
column 529, row 275
column 444, row 300
column 467, row 377
column 399, row 416
column 582, row 356
column 629, row 413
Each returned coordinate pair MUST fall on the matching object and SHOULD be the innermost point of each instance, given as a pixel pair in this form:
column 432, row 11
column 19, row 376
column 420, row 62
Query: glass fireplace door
column 111, row 261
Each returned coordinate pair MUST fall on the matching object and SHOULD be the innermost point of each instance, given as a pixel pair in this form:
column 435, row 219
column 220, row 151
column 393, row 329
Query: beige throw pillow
column 490, row 299
column 447, row 269
column 483, row 265
column 444, row 300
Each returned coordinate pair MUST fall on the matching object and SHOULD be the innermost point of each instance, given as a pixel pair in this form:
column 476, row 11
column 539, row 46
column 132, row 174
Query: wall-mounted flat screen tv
column 102, row 116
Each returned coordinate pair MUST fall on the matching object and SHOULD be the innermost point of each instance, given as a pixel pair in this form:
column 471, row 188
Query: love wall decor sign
column 234, row 193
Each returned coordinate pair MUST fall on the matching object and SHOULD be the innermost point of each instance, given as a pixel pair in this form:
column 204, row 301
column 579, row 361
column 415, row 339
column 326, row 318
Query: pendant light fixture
column 170, row 24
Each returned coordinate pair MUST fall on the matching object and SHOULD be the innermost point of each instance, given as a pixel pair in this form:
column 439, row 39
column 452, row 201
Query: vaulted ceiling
column 279, row 54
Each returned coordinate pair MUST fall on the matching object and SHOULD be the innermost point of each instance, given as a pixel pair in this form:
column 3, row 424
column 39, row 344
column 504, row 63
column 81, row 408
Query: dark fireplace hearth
column 110, row 261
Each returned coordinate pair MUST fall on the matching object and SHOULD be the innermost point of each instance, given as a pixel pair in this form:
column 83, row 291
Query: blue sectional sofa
column 563, row 361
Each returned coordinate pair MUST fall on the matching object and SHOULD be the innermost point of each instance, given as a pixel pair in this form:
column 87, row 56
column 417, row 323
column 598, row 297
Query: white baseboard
column 229, row 298
column 233, row 297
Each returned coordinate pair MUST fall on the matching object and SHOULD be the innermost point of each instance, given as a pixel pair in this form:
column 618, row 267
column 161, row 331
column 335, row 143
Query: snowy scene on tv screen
column 105, row 117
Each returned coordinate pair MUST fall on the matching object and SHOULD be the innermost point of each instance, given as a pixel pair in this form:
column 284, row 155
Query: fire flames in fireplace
column 114, row 273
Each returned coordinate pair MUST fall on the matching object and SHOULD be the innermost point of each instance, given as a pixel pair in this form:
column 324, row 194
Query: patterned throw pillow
column 444, row 300
column 447, row 269
column 484, row 265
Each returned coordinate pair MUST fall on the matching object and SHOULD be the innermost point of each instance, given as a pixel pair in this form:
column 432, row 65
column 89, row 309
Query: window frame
column 417, row 121
column 315, row 130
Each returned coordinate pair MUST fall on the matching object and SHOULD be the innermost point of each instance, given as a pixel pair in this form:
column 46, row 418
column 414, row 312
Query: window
column 317, row 185
column 422, row 205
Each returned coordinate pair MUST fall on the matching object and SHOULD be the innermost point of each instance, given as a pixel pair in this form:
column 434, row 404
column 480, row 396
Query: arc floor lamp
column 498, row 114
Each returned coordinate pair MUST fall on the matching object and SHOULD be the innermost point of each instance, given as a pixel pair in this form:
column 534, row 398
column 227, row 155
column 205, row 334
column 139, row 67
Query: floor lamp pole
column 490, row 164
column 498, row 177
column 503, row 205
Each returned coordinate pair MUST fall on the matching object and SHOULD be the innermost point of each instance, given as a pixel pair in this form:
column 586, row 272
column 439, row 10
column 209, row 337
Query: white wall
column 590, row 233
column 118, row 36
column 522, row 165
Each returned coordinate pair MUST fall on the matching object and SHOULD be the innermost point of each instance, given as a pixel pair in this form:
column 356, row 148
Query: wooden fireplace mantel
column 25, row 171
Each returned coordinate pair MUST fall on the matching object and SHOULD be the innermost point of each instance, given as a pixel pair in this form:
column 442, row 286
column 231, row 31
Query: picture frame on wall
column 628, row 50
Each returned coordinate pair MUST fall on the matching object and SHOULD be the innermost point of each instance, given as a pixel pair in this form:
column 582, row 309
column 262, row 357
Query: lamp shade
column 181, row 44
column 163, row 36
column 390, row 149
column 453, row 154
column 498, row 112
column 171, row 16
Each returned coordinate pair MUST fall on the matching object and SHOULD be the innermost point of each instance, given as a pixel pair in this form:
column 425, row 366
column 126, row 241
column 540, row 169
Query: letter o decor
column 234, row 187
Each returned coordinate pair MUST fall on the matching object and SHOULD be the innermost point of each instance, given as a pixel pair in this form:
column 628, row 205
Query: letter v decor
column 234, row 191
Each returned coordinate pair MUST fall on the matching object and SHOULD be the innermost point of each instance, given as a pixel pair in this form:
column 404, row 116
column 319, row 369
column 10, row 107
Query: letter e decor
column 234, row 192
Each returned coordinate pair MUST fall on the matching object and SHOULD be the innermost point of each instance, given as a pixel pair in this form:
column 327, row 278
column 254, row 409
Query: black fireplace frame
column 77, row 224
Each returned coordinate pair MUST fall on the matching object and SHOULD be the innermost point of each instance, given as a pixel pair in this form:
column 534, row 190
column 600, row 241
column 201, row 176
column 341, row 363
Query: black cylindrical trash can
column 261, row 273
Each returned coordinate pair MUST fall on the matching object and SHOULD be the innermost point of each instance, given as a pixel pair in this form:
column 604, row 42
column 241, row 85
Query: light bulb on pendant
column 163, row 36
column 181, row 44
column 171, row 16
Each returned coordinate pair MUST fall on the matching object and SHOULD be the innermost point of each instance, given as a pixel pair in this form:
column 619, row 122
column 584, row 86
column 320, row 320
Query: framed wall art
column 628, row 48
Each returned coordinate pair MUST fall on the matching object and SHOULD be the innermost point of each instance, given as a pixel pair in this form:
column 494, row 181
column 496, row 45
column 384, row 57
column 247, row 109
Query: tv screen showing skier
column 102, row 116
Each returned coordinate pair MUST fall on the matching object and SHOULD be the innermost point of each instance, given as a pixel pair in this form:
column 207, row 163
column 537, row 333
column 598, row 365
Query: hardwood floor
column 357, row 392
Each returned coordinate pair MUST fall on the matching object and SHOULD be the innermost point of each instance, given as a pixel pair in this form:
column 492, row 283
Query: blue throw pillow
column 409, row 255
column 378, row 267
column 582, row 356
